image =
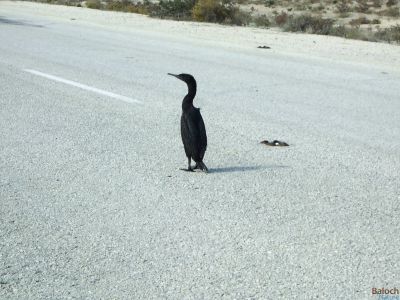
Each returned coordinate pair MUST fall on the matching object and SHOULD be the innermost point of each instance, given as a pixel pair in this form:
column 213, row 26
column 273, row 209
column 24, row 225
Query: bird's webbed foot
column 201, row 166
column 187, row 170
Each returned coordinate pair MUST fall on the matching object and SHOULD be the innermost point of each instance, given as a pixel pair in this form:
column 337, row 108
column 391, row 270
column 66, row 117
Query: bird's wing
column 194, row 134
column 202, row 134
column 187, row 137
column 198, row 129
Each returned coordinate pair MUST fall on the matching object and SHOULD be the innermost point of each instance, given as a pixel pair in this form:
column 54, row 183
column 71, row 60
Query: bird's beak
column 174, row 75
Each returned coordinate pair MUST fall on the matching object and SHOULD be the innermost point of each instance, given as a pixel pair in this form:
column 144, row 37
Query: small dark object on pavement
column 275, row 143
column 264, row 47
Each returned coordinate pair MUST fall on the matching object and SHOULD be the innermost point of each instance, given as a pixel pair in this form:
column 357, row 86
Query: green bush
column 309, row 24
column 95, row 4
column 270, row 3
column 262, row 21
column 393, row 12
column 391, row 3
column 174, row 9
column 354, row 33
column 377, row 3
column 127, row 6
column 236, row 16
column 117, row 5
column 391, row 34
column 216, row 11
column 362, row 6
column 343, row 6
column 339, row 31
column 359, row 21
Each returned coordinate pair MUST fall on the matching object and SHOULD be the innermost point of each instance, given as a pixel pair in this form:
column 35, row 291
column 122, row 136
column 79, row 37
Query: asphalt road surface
column 93, row 204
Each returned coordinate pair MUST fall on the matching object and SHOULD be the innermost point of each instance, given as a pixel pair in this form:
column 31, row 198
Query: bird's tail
column 202, row 166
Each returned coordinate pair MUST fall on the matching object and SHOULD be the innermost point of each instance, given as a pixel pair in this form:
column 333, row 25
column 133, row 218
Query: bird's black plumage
column 193, row 130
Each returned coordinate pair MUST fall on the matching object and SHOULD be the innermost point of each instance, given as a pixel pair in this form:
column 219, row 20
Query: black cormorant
column 193, row 131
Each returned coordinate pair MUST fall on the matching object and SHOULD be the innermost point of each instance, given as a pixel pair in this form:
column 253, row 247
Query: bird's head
column 189, row 79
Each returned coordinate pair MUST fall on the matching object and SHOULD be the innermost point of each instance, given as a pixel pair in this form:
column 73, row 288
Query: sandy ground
column 379, row 55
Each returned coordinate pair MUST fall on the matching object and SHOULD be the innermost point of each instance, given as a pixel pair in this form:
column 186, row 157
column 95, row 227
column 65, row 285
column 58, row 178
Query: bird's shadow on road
column 244, row 168
column 4, row 20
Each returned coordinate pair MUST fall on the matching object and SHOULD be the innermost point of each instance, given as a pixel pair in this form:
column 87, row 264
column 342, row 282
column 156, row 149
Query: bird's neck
column 188, row 100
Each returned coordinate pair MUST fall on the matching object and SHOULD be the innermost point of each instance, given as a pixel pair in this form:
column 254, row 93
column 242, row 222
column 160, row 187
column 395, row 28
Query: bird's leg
column 189, row 164
column 189, row 169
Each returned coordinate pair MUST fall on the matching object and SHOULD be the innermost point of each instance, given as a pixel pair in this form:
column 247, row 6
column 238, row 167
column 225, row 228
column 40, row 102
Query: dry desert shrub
column 95, row 4
column 393, row 12
column 362, row 6
column 310, row 24
column 262, row 21
column 359, row 21
column 390, row 3
column 281, row 19
column 216, row 11
column 343, row 6
column 391, row 34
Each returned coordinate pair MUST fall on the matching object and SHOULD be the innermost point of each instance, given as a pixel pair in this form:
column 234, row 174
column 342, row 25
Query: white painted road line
column 83, row 86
